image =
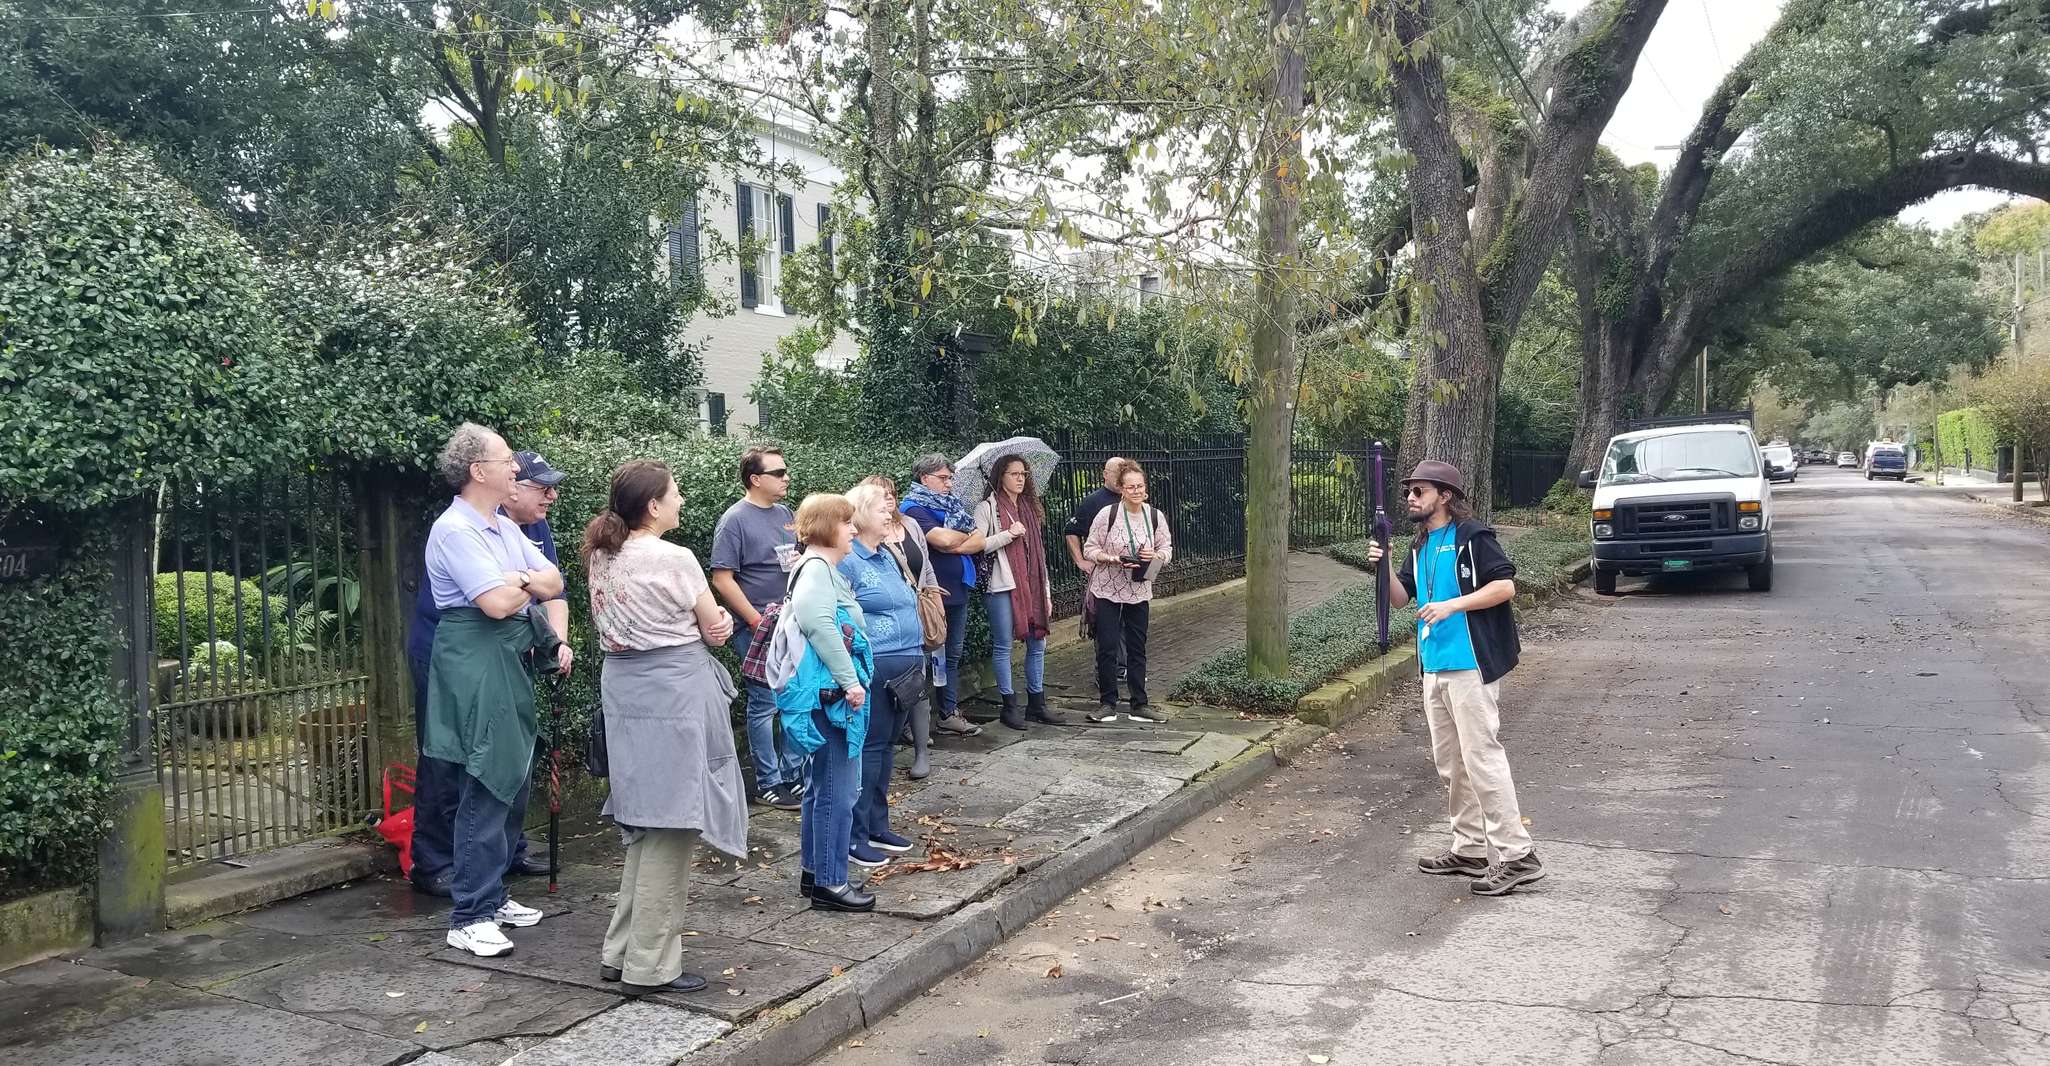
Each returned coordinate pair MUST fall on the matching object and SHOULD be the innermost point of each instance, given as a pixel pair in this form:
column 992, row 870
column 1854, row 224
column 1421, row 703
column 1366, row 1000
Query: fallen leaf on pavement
column 1320, row 1059
column 752, row 899
column 735, row 992
column 1054, row 970
column 393, row 995
column 1723, row 907
column 728, row 972
column 421, row 1028
column 837, row 971
column 378, row 937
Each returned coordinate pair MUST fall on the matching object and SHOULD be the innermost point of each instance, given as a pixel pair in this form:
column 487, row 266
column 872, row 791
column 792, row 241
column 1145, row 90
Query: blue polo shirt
column 538, row 538
column 1450, row 643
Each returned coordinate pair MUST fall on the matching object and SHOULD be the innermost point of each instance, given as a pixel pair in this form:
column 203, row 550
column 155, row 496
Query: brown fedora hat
column 1444, row 474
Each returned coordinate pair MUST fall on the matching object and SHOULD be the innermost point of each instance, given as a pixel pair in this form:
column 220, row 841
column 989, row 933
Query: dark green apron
column 480, row 695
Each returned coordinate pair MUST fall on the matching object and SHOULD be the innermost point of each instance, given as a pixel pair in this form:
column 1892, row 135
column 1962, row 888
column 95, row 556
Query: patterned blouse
column 641, row 595
column 1120, row 533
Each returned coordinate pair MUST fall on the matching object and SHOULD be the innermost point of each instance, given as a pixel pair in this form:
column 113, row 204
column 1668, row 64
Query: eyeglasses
column 941, row 477
column 545, row 490
column 1417, row 491
column 785, row 472
column 507, row 459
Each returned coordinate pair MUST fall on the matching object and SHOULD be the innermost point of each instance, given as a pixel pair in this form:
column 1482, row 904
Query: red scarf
column 1027, row 558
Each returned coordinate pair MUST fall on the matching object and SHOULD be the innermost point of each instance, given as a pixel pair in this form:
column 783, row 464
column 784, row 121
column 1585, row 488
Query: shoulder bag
column 932, row 606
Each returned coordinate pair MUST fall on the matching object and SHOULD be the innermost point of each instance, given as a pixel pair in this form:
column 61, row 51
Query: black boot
column 845, row 898
column 1013, row 716
column 1035, row 710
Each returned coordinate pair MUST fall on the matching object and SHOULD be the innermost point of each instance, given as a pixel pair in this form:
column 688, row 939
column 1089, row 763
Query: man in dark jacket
column 1466, row 641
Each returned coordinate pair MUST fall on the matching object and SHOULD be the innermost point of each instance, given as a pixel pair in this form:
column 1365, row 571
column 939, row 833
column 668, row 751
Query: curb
column 274, row 876
column 1352, row 693
column 815, row 1021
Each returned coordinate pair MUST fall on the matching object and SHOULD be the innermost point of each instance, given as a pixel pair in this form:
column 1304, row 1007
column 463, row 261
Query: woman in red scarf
column 1019, row 600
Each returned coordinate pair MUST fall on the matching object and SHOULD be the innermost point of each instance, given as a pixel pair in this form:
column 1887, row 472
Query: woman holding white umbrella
column 1019, row 597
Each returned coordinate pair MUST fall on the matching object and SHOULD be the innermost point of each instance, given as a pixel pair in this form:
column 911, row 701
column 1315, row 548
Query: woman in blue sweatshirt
column 889, row 606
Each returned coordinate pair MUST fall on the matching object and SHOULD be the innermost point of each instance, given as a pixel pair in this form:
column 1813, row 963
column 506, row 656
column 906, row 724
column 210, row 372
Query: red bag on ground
column 397, row 826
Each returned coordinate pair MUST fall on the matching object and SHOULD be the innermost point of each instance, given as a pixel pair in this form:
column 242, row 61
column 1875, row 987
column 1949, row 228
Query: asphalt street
column 1804, row 826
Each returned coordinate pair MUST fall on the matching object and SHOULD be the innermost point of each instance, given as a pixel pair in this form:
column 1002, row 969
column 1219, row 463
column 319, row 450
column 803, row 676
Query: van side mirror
column 1585, row 480
column 1771, row 469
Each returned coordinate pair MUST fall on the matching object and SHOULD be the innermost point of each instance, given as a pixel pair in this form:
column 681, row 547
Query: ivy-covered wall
column 1967, row 428
column 59, row 720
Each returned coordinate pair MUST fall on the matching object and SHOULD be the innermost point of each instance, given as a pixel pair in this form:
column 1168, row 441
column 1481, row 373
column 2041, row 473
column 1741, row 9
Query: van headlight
column 1748, row 523
column 1603, row 529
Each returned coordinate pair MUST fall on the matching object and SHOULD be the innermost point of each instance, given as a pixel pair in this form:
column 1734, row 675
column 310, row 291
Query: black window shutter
column 715, row 413
column 744, row 207
column 692, row 267
column 826, row 233
column 786, row 212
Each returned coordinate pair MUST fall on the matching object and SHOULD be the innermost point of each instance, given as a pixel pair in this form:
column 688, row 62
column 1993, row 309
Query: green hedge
column 1338, row 634
column 1966, row 428
column 238, row 613
column 60, row 724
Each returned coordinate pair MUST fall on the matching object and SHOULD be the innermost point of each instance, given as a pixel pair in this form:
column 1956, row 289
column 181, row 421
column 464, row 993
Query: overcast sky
column 1694, row 45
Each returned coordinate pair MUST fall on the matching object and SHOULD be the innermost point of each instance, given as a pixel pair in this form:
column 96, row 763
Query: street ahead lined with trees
column 248, row 243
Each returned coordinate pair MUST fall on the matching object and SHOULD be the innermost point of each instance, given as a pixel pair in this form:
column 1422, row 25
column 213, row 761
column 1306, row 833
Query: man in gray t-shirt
column 753, row 548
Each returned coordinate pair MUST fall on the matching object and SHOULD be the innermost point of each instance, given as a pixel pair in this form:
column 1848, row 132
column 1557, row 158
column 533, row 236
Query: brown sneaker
column 1452, row 862
column 957, row 725
column 1502, row 879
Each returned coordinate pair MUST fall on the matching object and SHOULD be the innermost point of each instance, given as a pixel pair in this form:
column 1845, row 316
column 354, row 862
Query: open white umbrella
column 971, row 474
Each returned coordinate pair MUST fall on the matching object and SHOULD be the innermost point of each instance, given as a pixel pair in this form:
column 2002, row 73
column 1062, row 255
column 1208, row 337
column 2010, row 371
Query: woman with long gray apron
column 674, row 772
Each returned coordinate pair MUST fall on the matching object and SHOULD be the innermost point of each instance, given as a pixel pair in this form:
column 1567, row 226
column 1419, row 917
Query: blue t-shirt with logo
column 1449, row 645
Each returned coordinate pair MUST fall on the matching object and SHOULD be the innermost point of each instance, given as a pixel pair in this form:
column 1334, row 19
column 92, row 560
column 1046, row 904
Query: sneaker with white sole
column 481, row 939
column 1103, row 715
column 513, row 913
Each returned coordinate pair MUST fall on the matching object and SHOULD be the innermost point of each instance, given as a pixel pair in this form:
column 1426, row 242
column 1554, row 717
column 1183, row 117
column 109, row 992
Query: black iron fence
column 1523, row 478
column 262, row 733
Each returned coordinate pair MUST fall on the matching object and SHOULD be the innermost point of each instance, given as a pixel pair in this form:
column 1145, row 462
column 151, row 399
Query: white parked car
column 1679, row 498
column 1847, row 460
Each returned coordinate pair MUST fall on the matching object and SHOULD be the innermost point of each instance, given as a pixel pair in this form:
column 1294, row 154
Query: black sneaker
column 1452, row 862
column 1146, row 713
column 781, row 797
column 1503, row 878
column 1105, row 714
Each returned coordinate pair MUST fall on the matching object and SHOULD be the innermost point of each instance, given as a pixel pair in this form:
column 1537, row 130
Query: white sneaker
column 512, row 913
column 481, row 939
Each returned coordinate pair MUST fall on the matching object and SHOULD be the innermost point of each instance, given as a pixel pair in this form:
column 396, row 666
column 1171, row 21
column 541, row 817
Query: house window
column 1149, row 288
column 765, row 216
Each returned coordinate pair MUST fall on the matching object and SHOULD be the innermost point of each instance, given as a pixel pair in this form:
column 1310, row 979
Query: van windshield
column 1680, row 457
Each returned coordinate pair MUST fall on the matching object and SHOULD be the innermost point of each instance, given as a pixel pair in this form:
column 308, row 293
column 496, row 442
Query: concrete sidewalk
column 1981, row 490
column 1009, row 823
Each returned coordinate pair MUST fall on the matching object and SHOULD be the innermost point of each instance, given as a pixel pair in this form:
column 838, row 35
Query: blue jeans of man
column 998, row 606
column 485, row 829
column 957, row 639
column 437, row 787
column 878, row 748
column 826, row 819
column 774, row 763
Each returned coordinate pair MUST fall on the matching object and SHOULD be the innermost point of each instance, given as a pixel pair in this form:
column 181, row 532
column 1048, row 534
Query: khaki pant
column 1480, row 798
column 645, row 939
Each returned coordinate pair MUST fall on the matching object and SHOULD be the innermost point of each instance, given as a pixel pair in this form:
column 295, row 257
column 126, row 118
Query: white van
column 1785, row 466
column 1679, row 498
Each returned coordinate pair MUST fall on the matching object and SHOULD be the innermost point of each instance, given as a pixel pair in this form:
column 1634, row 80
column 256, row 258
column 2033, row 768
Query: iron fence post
column 381, row 542
column 129, row 896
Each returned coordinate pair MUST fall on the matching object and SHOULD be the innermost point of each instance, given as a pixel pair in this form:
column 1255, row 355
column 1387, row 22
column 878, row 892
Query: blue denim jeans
column 878, row 748
column 957, row 638
column 998, row 606
column 775, row 764
column 437, row 788
column 485, row 828
column 826, row 820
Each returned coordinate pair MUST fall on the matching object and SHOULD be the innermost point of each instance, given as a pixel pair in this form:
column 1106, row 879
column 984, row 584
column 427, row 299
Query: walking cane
column 555, row 697
column 1381, row 532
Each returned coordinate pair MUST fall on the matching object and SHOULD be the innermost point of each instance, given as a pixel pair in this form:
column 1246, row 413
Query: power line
column 136, row 16
column 1712, row 42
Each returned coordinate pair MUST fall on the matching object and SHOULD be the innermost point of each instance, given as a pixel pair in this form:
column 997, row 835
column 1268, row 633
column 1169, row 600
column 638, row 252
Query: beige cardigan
column 996, row 539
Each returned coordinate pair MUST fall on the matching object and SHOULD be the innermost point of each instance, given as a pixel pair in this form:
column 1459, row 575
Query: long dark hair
column 996, row 483
column 636, row 484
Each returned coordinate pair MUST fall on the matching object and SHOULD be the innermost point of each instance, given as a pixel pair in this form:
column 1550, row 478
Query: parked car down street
column 1847, row 460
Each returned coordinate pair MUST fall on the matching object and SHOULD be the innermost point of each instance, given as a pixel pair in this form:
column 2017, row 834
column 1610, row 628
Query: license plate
column 1679, row 564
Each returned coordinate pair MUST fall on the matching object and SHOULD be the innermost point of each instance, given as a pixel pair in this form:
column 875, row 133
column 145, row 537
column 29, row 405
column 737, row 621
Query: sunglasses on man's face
column 1417, row 491
column 783, row 472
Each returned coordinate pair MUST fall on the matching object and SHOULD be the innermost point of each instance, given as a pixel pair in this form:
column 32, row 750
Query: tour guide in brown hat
column 1466, row 641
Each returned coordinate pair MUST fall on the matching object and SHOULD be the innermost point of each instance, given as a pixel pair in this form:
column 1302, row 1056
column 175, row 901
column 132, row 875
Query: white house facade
column 787, row 216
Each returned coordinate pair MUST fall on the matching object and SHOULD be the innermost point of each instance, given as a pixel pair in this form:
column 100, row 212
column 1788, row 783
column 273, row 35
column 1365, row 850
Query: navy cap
column 536, row 469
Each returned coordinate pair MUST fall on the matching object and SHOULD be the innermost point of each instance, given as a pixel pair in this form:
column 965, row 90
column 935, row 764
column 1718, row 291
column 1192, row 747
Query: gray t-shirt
column 758, row 544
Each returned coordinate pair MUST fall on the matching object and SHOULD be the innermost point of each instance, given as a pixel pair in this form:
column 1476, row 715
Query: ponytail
column 634, row 485
column 606, row 533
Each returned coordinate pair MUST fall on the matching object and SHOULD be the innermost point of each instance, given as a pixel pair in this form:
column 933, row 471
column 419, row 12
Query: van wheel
column 1760, row 576
column 1605, row 582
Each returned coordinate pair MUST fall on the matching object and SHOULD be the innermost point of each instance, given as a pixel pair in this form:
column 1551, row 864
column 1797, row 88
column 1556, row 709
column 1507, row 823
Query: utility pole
column 2017, row 330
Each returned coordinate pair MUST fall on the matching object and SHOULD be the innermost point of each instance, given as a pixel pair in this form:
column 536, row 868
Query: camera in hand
column 831, row 696
column 1138, row 569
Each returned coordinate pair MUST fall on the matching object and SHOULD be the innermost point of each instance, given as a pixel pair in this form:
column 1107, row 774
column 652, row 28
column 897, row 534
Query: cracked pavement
column 1798, row 827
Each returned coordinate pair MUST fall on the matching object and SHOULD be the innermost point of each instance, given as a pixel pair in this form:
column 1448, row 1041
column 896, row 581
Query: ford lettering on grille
column 1676, row 518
